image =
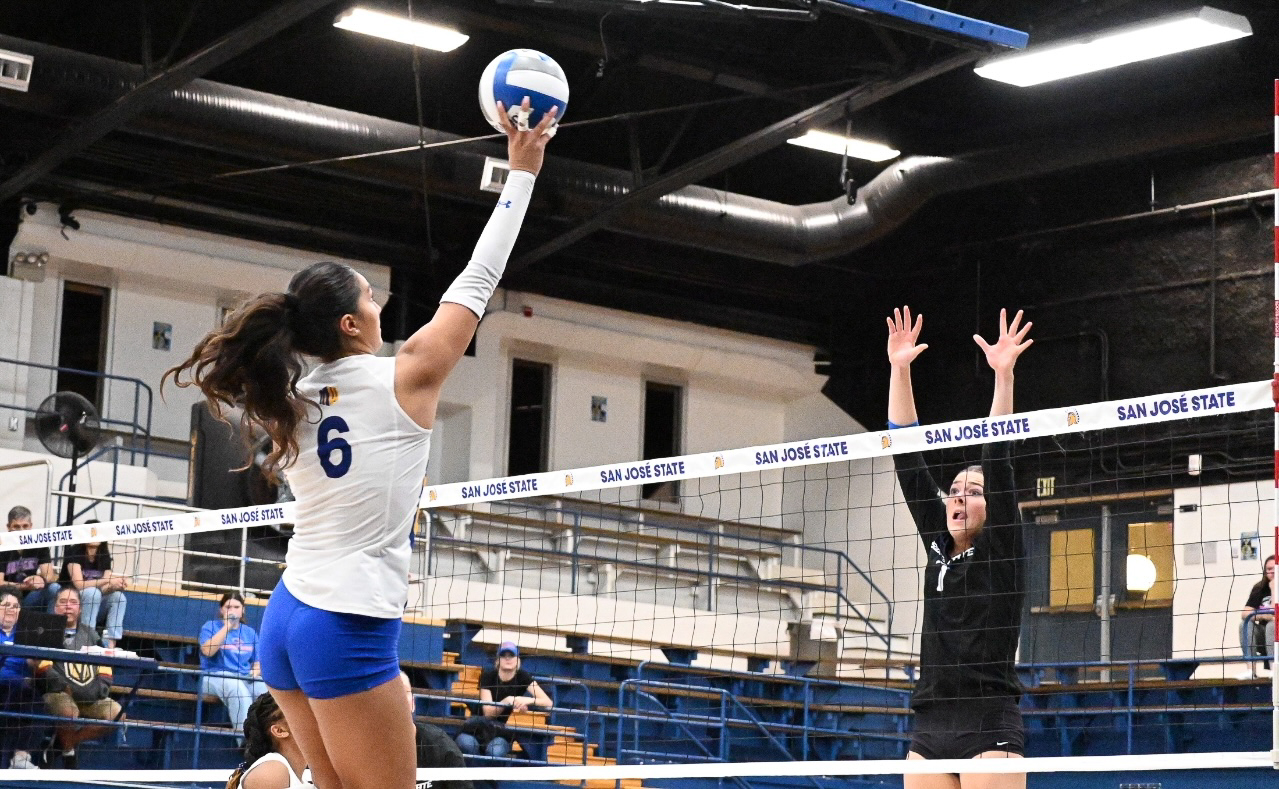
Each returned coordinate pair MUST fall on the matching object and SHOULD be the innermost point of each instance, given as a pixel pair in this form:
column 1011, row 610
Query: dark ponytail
column 257, row 735
column 252, row 361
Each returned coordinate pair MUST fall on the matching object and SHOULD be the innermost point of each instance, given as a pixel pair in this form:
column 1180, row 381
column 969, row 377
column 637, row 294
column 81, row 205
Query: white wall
column 1209, row 595
column 26, row 479
column 155, row 273
column 17, row 301
column 739, row 390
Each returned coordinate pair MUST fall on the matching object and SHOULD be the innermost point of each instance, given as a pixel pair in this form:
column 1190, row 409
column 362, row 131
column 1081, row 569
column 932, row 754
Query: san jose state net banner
column 1174, row 406
column 154, row 526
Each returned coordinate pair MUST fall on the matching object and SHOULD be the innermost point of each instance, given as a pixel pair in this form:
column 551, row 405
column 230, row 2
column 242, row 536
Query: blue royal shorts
column 322, row 653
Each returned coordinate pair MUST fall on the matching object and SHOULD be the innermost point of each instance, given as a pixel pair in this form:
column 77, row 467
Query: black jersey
column 973, row 601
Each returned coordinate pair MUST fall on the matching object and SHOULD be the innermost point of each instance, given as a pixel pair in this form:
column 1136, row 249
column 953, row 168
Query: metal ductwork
column 263, row 127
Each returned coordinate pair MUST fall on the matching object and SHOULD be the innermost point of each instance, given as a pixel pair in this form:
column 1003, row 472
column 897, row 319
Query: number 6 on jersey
column 326, row 446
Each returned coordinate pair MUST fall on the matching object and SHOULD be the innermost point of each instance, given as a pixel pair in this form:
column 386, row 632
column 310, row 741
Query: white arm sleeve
column 475, row 285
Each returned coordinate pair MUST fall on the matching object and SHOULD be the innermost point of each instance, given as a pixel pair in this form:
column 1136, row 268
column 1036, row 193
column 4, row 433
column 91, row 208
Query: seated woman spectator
column 272, row 758
column 87, row 567
column 229, row 648
column 1258, row 634
column 17, row 693
column 76, row 690
column 514, row 690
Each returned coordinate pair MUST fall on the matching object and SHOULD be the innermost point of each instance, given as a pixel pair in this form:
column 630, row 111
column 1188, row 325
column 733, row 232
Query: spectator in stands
column 514, row 690
column 230, row 648
column 435, row 748
column 17, row 692
column 30, row 569
column 77, row 690
column 272, row 758
column 1258, row 634
column 87, row 567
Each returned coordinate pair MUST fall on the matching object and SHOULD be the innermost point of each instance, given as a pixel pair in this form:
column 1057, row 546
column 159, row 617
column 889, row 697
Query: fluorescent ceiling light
column 836, row 143
column 1117, row 47
column 398, row 28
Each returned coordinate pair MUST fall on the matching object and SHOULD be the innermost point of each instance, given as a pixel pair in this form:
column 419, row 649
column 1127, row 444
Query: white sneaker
column 22, row 761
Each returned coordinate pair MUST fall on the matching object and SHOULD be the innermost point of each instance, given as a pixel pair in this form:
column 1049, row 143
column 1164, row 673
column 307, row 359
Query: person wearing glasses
column 966, row 698
column 17, row 694
column 88, row 568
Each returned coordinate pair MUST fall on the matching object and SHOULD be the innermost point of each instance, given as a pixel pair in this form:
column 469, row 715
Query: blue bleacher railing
column 808, row 687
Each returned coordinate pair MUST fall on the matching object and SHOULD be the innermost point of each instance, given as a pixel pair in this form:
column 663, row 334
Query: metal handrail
column 1129, row 710
column 806, row 683
column 115, row 481
column 586, row 708
column 712, row 545
column 660, row 515
column 621, row 726
column 139, row 387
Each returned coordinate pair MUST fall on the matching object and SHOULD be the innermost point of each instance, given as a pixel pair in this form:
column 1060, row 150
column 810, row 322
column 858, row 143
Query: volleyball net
column 763, row 603
column 1166, row 771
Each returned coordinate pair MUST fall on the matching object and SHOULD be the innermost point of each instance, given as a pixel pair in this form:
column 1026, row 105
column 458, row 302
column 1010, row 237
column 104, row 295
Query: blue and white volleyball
column 518, row 73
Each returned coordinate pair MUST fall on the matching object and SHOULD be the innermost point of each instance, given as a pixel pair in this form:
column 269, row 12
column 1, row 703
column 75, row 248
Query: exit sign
column 1045, row 486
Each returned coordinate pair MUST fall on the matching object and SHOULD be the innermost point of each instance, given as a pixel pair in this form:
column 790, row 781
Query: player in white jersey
column 354, row 435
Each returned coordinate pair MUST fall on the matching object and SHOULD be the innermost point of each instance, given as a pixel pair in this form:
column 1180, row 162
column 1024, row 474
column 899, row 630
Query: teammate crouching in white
column 354, row 436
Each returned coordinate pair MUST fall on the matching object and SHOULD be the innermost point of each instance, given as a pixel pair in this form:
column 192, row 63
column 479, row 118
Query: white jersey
column 295, row 782
column 357, row 479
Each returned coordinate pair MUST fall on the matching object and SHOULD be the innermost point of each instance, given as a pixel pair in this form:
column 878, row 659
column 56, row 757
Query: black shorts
column 963, row 729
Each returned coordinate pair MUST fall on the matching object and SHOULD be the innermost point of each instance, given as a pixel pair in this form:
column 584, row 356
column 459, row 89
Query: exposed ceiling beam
column 568, row 38
column 128, row 106
column 746, row 148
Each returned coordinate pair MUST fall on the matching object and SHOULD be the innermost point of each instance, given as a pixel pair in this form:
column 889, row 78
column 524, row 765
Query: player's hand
column 1002, row 356
column 526, row 149
column 902, row 337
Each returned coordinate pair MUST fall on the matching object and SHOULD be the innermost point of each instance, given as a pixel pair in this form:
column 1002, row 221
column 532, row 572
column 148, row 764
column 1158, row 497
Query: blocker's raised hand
column 1002, row 356
column 902, row 337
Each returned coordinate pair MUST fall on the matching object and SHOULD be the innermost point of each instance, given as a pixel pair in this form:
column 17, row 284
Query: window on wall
column 1071, row 570
column 1154, row 541
column 663, row 404
column 82, row 339
column 530, row 417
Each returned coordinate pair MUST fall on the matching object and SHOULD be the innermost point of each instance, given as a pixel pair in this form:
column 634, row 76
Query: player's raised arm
column 427, row 357
column 903, row 348
column 1002, row 357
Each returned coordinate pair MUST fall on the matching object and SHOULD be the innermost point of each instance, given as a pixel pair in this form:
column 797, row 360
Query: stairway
column 565, row 748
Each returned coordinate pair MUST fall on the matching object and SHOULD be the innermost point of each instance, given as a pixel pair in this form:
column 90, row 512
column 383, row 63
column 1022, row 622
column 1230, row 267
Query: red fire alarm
column 528, row 311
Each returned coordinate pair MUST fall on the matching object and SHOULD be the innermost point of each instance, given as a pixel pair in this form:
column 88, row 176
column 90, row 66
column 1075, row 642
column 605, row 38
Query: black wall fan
column 67, row 424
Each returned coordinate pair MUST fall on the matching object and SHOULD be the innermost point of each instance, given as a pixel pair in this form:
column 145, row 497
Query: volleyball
column 518, row 73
